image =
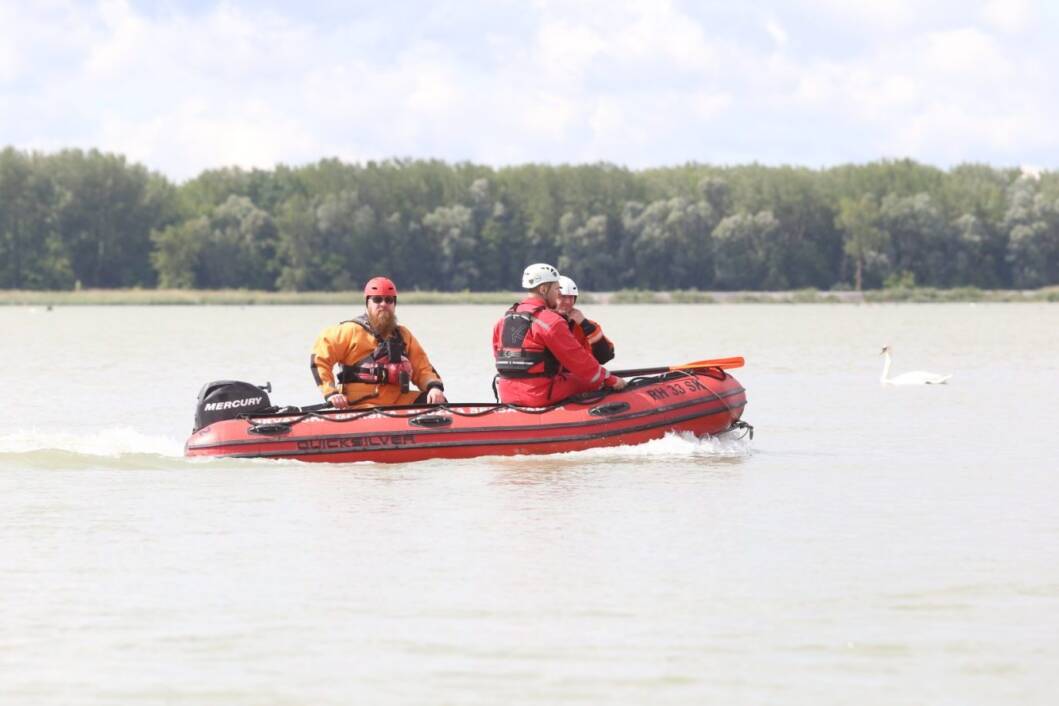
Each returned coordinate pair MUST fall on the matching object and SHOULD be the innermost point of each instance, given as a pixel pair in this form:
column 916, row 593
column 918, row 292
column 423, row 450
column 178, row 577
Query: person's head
column 567, row 294
column 380, row 300
column 543, row 280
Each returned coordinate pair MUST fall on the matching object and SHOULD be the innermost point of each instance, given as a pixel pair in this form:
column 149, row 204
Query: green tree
column 1033, row 223
column 587, row 248
column 329, row 242
column 920, row 240
column 234, row 247
column 741, row 254
column 350, row 251
column 105, row 212
column 32, row 255
column 454, row 232
column 863, row 241
column 976, row 261
column 178, row 250
column 669, row 244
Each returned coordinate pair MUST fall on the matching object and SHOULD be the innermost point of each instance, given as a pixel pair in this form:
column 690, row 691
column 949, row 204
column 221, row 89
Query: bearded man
column 377, row 358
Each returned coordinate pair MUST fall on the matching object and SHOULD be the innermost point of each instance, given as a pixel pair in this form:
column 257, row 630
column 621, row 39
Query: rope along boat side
column 703, row 402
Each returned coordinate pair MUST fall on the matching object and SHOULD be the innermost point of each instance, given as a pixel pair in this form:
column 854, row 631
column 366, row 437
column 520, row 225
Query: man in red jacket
column 537, row 357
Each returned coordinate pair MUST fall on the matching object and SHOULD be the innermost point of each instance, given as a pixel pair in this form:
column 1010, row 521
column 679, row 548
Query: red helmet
column 380, row 285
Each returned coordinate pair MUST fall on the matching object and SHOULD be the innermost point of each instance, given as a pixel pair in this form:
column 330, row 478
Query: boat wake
column 109, row 448
column 678, row 444
column 106, row 442
column 125, row 448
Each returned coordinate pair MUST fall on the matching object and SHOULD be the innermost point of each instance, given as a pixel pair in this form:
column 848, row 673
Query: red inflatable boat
column 702, row 402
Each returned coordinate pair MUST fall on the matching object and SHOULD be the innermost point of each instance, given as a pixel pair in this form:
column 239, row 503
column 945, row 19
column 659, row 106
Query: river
column 870, row 545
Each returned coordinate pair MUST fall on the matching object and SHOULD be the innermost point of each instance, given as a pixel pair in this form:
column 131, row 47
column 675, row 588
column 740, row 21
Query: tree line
column 89, row 219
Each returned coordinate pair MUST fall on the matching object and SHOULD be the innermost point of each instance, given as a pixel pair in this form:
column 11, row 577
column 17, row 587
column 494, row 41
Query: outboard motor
column 227, row 399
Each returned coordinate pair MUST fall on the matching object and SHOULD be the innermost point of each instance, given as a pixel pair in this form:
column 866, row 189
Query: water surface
column 871, row 545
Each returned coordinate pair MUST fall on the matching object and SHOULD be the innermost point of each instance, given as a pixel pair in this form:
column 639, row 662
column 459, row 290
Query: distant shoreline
column 241, row 297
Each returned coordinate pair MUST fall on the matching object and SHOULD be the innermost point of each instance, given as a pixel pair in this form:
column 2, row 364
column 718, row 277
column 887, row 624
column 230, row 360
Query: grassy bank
column 813, row 296
column 232, row 297
column 242, row 297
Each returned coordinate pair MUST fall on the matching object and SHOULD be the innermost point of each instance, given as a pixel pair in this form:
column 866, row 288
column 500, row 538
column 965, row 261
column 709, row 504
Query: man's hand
column 338, row 401
column 436, row 396
column 616, row 382
column 576, row 316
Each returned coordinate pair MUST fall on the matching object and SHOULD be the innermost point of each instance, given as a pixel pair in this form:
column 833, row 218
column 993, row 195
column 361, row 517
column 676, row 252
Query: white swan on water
column 916, row 377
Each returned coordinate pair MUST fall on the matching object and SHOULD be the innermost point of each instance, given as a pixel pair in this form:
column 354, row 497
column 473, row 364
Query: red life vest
column 386, row 364
column 513, row 359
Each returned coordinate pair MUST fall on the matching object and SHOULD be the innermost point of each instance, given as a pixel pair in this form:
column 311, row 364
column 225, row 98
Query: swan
column 916, row 377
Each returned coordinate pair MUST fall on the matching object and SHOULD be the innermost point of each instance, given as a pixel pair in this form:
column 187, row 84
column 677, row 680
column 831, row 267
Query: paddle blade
column 724, row 363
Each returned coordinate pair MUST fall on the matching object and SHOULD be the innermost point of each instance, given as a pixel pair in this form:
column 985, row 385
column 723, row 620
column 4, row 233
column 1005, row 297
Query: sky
column 182, row 86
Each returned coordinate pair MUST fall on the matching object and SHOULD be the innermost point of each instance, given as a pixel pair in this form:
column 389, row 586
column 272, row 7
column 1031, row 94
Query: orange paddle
column 723, row 363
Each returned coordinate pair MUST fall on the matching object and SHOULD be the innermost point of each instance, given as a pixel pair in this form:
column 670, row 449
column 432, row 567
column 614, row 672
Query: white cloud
column 707, row 106
column 623, row 34
column 1012, row 16
column 873, row 15
column 192, row 135
column 965, row 52
column 9, row 64
column 544, row 115
column 122, row 41
column 776, row 31
column 654, row 29
column 565, row 50
column 36, row 38
column 947, row 129
column 635, row 82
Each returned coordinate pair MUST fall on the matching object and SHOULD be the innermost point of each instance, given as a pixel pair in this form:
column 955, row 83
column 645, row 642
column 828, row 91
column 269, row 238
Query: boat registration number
column 676, row 389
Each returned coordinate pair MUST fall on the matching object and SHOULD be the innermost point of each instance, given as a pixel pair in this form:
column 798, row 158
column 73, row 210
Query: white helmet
column 539, row 273
column 567, row 287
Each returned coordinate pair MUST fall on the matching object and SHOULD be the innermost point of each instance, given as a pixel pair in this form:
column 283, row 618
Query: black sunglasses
column 379, row 300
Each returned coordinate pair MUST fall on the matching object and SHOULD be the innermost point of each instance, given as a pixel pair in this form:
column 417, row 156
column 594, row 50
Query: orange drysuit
column 352, row 342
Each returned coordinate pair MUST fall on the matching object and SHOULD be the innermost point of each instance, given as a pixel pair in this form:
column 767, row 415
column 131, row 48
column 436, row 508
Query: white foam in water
column 107, row 442
column 681, row 444
column 120, row 441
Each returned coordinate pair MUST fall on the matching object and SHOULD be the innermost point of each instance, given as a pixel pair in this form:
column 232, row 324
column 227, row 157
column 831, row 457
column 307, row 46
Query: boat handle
column 610, row 408
column 269, row 429
column 436, row 420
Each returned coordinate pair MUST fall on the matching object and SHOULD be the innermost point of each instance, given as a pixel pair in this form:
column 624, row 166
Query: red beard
column 384, row 322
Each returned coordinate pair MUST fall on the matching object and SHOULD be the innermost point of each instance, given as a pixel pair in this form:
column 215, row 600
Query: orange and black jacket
column 590, row 335
column 350, row 343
